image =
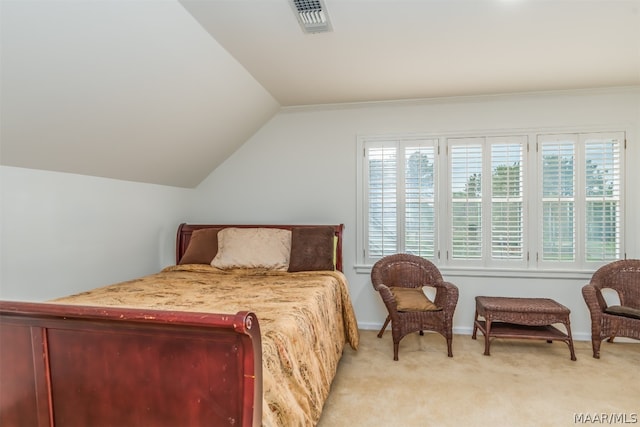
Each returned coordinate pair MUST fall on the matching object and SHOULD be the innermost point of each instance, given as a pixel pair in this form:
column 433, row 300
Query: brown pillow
column 203, row 247
column 311, row 249
column 412, row 299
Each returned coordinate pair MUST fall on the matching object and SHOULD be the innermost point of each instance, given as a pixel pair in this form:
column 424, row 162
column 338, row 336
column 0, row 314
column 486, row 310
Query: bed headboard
column 185, row 230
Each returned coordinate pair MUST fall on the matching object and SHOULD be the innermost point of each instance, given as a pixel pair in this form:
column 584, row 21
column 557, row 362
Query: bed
column 231, row 342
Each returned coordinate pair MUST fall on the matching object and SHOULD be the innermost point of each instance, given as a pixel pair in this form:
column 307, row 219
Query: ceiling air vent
column 312, row 15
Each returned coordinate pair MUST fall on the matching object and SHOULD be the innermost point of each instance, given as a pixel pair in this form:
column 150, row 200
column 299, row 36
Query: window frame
column 531, row 188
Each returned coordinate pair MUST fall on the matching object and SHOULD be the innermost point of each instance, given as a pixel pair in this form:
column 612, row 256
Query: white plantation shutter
column 487, row 199
column 495, row 200
column 419, row 199
column 400, row 197
column 507, row 199
column 603, row 196
column 465, row 165
column 382, row 162
column 558, row 197
column 581, row 197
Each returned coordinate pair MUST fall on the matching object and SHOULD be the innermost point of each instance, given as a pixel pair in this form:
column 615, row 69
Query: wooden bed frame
column 79, row 366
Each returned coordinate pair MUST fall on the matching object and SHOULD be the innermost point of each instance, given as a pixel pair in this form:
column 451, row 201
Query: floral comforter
column 305, row 320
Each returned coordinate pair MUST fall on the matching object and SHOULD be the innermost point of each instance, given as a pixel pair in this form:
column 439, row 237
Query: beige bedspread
column 305, row 319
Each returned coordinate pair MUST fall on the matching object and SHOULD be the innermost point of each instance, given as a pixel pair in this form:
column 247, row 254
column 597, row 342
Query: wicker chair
column 410, row 271
column 612, row 321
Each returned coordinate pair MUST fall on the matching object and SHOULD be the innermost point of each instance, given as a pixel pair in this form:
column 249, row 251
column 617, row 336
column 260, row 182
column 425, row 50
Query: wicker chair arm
column 387, row 297
column 594, row 300
column 446, row 295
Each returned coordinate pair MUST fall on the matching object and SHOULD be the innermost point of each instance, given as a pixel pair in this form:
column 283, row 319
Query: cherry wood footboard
column 64, row 365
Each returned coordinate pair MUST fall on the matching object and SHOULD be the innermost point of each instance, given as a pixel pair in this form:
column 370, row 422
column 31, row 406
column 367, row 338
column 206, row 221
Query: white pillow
column 268, row 248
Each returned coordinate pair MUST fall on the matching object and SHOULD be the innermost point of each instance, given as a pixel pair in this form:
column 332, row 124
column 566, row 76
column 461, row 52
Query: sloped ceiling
column 132, row 90
column 162, row 91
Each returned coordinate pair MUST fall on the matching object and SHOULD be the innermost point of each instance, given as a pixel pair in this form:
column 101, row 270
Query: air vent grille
column 312, row 15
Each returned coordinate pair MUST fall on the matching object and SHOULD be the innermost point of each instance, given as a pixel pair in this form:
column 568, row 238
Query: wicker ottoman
column 528, row 318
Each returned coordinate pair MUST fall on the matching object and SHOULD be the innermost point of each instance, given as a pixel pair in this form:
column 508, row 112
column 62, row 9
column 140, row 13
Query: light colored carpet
column 523, row 383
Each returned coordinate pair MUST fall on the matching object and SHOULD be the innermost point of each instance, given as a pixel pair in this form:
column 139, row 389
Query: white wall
column 301, row 168
column 63, row 233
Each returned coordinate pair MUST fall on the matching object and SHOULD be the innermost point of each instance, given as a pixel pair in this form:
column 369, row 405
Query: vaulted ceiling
column 163, row 91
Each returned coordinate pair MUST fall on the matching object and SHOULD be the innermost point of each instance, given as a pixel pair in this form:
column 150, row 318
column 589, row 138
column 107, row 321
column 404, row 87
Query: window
column 486, row 200
column 400, row 197
column 520, row 200
column 581, row 197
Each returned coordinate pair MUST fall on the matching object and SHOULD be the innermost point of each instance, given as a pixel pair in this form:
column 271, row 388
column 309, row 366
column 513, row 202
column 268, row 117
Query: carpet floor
column 523, row 383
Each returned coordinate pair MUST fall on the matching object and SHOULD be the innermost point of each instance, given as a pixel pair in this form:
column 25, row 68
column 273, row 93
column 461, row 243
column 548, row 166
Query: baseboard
column 468, row 330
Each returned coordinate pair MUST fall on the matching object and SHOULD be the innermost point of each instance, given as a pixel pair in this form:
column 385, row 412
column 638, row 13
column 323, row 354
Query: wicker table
column 528, row 318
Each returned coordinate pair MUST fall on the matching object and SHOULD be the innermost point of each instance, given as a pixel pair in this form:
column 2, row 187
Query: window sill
column 500, row 272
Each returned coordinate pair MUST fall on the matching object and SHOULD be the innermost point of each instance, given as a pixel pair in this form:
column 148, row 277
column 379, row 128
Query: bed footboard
column 78, row 366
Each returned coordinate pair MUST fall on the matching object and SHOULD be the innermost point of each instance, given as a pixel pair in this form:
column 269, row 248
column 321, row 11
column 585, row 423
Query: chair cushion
column 621, row 310
column 412, row 299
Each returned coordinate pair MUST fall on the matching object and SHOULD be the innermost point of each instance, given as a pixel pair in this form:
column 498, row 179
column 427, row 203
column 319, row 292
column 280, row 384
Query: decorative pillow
column 312, row 249
column 267, row 248
column 412, row 299
column 622, row 310
column 203, row 246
